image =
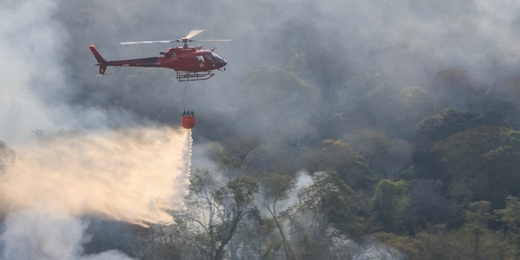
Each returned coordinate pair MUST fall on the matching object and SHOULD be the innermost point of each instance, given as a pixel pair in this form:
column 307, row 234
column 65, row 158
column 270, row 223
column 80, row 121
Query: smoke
column 134, row 174
column 26, row 36
column 303, row 180
column 46, row 233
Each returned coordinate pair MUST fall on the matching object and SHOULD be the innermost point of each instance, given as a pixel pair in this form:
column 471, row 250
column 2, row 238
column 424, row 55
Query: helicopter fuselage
column 188, row 59
column 190, row 63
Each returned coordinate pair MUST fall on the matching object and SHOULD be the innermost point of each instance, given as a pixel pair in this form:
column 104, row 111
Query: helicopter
column 191, row 63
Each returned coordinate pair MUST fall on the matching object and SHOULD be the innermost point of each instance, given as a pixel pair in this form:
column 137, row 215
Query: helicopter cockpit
column 218, row 58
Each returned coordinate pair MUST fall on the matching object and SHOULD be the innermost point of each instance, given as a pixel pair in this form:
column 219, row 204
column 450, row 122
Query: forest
column 340, row 129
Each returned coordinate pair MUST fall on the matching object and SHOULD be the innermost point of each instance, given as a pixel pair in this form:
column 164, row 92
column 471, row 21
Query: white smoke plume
column 32, row 43
column 133, row 175
column 47, row 233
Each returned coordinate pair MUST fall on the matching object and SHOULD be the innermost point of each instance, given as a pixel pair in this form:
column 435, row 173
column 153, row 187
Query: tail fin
column 101, row 62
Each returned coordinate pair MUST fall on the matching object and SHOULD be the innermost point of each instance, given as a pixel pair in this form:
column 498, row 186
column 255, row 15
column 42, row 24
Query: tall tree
column 326, row 210
column 276, row 187
column 349, row 165
column 214, row 213
column 370, row 102
column 482, row 163
column 236, row 156
column 510, row 216
column 435, row 129
column 386, row 156
column 417, row 105
column 455, row 82
column 478, row 216
column 426, row 205
column 501, row 163
column 388, row 204
column 237, row 199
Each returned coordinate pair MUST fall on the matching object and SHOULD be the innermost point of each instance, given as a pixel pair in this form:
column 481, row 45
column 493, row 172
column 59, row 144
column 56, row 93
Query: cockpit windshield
column 216, row 56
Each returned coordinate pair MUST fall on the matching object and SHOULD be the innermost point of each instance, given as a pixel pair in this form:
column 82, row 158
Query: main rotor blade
column 186, row 39
column 215, row 40
column 141, row 42
column 192, row 33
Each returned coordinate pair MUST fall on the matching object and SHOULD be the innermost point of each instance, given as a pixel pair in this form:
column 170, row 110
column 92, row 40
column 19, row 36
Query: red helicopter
column 190, row 62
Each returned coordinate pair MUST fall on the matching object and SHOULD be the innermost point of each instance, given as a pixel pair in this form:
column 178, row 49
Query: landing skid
column 193, row 76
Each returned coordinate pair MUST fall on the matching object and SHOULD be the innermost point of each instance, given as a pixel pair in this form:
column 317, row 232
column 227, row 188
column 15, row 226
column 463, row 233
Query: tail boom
column 103, row 64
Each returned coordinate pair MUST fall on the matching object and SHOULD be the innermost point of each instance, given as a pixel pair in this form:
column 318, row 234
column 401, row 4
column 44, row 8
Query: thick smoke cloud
column 36, row 82
column 31, row 43
column 47, row 232
column 133, row 174
column 406, row 42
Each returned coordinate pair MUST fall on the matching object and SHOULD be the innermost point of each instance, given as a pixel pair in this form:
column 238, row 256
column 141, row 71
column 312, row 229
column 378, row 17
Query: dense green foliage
column 446, row 190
